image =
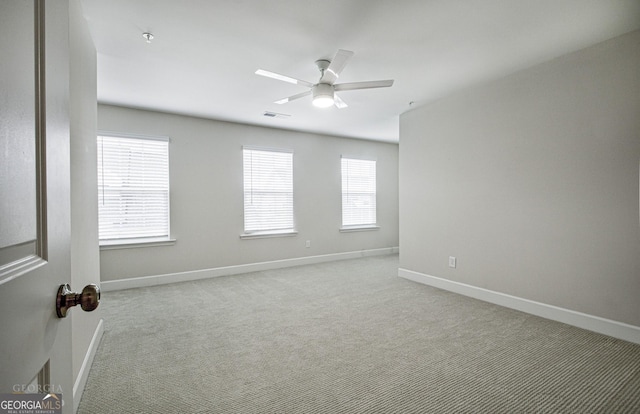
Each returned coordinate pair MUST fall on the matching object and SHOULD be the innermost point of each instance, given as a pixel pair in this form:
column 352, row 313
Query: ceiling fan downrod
column 322, row 65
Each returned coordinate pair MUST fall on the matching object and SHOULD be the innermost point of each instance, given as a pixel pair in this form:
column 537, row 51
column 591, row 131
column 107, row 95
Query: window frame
column 266, row 233
column 360, row 226
column 135, row 242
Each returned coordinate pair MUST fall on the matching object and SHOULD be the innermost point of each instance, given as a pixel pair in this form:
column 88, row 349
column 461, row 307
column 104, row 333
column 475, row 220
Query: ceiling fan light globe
column 323, row 95
column 322, row 101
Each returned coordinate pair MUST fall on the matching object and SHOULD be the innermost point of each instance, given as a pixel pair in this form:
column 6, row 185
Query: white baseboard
column 597, row 324
column 146, row 281
column 83, row 375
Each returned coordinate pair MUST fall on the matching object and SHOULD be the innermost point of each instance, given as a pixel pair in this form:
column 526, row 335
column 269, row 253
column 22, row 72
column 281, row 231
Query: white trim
column 593, row 323
column 267, row 149
column 83, row 375
column 146, row 281
column 135, row 243
column 262, row 234
column 363, row 227
column 102, row 133
column 359, row 157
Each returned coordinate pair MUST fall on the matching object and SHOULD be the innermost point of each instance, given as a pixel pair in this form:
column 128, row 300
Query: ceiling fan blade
column 363, row 85
column 284, row 78
column 338, row 63
column 339, row 102
column 292, row 98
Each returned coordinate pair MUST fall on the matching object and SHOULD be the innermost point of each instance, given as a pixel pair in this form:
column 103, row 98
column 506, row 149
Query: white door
column 35, row 345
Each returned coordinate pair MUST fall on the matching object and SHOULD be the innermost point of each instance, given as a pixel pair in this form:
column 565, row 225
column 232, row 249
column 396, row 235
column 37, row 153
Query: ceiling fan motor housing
column 323, row 95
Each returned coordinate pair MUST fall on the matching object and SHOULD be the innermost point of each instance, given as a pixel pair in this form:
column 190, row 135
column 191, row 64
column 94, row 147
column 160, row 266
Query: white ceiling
column 204, row 54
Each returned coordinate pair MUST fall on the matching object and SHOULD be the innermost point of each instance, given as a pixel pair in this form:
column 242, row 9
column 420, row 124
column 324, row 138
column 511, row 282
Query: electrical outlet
column 452, row 261
column 308, row 244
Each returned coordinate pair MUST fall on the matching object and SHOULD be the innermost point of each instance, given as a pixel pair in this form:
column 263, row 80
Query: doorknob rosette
column 88, row 299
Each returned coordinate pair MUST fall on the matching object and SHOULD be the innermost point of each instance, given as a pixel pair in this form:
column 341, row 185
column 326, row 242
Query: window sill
column 135, row 243
column 350, row 229
column 267, row 234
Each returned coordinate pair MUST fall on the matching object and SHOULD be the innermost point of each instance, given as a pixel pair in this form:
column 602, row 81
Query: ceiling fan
column 324, row 92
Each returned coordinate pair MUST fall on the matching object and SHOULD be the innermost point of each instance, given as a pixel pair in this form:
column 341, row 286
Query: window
column 358, row 193
column 133, row 189
column 268, row 191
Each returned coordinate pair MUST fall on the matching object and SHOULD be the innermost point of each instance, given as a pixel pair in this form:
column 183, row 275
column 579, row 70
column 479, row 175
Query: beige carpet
column 346, row 337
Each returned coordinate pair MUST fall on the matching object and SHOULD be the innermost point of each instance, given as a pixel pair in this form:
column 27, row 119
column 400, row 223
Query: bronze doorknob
column 89, row 299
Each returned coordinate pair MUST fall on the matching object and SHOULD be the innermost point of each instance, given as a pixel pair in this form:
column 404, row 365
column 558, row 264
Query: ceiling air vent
column 269, row 114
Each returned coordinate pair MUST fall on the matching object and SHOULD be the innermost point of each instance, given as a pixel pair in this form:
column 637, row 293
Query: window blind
column 358, row 192
column 268, row 190
column 133, row 188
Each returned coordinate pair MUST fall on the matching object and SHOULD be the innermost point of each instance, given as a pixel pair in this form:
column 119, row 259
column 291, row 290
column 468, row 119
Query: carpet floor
column 346, row 337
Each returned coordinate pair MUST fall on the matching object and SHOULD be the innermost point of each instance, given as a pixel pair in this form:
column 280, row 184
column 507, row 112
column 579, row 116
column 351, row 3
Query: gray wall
column 207, row 202
column 531, row 181
column 85, row 257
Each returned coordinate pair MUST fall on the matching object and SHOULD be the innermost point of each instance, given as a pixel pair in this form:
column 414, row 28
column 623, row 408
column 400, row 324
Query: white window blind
column 268, row 190
column 358, row 192
column 133, row 188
